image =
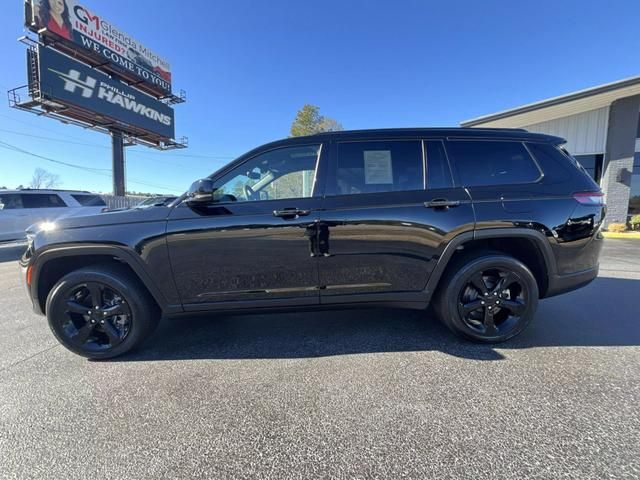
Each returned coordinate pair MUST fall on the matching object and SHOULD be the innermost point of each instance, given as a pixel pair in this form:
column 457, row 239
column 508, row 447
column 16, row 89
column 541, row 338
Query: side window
column 274, row 175
column 89, row 200
column 42, row 200
column 487, row 162
column 384, row 166
column 438, row 172
column 10, row 201
column 556, row 166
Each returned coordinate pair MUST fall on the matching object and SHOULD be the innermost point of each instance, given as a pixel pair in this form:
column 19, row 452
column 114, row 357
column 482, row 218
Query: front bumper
column 24, row 265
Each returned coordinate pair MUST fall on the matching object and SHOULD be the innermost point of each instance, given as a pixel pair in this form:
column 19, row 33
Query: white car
column 20, row 209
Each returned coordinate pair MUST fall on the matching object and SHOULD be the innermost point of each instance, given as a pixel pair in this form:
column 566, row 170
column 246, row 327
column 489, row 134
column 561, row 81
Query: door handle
column 442, row 203
column 291, row 213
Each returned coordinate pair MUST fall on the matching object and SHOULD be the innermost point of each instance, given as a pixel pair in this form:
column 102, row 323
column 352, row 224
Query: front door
column 252, row 246
column 387, row 216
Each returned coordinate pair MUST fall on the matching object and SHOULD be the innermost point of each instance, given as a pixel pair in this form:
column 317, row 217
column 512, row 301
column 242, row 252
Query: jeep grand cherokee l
column 482, row 223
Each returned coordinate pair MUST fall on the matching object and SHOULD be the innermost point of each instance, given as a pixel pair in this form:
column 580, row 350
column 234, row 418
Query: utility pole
column 117, row 146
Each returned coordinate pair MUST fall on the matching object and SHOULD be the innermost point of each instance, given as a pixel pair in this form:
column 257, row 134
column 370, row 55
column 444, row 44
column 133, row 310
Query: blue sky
column 248, row 67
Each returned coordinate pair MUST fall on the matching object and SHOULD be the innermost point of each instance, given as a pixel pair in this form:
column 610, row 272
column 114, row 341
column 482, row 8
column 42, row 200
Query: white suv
column 20, row 209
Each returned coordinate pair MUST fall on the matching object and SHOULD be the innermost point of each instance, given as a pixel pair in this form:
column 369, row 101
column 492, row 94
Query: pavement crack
column 5, row 369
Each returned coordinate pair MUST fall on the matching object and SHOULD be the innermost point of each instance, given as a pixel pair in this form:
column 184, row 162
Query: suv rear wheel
column 100, row 312
column 490, row 298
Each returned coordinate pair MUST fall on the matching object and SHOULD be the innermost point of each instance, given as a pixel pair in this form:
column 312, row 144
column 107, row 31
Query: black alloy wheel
column 487, row 298
column 101, row 312
column 97, row 317
column 492, row 302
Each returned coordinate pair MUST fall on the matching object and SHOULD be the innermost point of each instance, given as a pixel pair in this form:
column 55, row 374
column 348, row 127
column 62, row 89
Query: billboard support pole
column 117, row 146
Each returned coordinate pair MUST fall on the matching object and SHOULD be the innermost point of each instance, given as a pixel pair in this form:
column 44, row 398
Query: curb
column 629, row 235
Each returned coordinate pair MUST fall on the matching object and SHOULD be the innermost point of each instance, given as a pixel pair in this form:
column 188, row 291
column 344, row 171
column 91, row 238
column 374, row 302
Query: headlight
column 47, row 226
column 33, row 230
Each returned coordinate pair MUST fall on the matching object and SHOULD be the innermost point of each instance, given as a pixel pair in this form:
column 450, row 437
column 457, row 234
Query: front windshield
column 149, row 201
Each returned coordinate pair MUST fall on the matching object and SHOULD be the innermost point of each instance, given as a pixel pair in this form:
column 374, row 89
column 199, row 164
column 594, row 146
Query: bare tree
column 44, row 179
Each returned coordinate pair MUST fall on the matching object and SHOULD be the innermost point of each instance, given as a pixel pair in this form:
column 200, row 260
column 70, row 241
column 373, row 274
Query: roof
column 562, row 106
column 43, row 190
column 440, row 132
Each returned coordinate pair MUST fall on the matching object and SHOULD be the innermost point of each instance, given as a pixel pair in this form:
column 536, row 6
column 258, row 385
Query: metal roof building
column 602, row 128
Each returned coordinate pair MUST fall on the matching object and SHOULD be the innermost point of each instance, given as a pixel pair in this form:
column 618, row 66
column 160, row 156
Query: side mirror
column 201, row 191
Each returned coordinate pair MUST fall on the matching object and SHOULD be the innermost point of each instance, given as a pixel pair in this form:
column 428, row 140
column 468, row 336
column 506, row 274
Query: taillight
column 590, row 198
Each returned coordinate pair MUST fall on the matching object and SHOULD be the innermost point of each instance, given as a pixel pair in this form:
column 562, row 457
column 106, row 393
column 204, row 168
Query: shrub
column 617, row 227
column 635, row 222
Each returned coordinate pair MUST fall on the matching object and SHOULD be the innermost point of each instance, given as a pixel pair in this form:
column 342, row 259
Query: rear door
column 43, row 207
column 389, row 210
column 502, row 178
column 13, row 217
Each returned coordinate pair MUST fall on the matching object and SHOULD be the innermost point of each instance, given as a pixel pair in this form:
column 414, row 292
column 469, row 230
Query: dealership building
column 602, row 129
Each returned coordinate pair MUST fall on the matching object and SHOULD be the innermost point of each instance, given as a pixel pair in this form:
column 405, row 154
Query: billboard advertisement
column 70, row 21
column 69, row 82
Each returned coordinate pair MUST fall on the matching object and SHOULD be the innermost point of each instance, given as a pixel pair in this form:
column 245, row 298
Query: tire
column 101, row 312
column 488, row 298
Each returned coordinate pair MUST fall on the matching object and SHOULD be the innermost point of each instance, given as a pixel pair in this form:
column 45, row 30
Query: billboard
column 69, row 82
column 78, row 26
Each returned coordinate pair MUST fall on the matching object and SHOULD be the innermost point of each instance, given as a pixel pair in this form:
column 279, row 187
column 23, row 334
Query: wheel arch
column 531, row 247
column 52, row 264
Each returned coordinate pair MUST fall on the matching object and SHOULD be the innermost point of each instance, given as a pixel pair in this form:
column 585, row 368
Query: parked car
column 21, row 208
column 156, row 201
column 481, row 223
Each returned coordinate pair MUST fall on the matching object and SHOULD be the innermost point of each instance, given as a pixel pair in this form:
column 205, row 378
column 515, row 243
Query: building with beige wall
column 601, row 126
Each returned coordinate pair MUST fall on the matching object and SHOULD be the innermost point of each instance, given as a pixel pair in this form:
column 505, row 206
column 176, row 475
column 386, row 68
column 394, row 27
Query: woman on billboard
column 54, row 16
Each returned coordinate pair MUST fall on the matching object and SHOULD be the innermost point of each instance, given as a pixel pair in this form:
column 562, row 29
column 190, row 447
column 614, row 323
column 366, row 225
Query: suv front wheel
column 100, row 312
column 488, row 299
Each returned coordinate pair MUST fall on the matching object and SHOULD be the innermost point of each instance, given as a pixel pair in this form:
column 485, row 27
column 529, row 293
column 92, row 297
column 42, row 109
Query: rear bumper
column 565, row 283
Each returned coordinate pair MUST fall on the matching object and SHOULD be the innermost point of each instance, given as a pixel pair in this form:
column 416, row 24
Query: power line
column 96, row 171
column 70, row 142
column 8, row 146
column 91, row 145
column 14, row 132
column 39, row 126
column 150, row 152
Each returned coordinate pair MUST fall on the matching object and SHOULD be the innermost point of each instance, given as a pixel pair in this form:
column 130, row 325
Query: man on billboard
column 54, row 16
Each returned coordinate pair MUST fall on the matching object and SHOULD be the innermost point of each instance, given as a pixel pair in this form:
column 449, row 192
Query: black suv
column 484, row 222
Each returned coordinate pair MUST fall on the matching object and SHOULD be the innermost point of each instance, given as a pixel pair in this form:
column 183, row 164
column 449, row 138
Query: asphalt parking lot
column 353, row 394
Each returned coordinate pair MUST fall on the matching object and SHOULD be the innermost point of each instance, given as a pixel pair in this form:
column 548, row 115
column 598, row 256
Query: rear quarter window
column 559, row 167
column 89, row 200
column 489, row 162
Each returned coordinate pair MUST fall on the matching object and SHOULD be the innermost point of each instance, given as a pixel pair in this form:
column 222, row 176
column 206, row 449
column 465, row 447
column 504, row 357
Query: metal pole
column 117, row 146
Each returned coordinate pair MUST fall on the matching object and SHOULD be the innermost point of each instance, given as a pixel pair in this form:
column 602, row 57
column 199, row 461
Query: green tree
column 309, row 121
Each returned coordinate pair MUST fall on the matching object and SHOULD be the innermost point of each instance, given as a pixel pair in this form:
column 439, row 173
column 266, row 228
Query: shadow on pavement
column 602, row 314
column 11, row 252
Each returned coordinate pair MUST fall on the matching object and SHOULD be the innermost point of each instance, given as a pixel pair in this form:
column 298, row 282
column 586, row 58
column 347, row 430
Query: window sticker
column 377, row 167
